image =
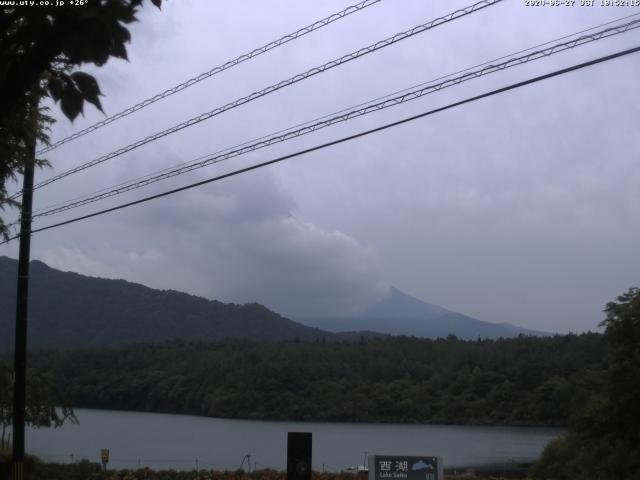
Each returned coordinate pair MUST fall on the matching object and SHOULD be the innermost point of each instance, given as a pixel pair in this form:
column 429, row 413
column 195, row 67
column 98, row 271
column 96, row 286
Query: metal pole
column 20, row 355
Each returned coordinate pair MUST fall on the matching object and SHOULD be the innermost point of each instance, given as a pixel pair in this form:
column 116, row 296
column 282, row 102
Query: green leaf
column 71, row 102
column 55, row 88
column 89, row 88
column 123, row 13
column 120, row 33
column 119, row 36
column 118, row 50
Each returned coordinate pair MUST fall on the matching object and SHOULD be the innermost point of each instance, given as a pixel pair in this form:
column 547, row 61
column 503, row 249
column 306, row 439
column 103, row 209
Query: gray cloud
column 236, row 242
column 518, row 208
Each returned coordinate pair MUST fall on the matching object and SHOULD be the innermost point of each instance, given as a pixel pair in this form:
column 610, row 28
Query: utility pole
column 20, row 352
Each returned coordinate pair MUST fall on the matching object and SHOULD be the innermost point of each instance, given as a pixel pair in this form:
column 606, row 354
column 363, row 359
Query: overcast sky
column 519, row 208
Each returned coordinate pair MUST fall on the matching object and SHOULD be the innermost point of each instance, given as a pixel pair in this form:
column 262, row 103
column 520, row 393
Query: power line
column 214, row 71
column 216, row 157
column 272, row 88
column 404, row 90
column 312, row 127
column 512, row 86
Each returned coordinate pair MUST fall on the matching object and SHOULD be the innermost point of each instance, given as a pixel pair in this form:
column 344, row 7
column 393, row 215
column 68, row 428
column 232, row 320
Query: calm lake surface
column 164, row 441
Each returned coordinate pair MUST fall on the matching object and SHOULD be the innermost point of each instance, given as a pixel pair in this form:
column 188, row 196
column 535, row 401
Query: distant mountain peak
column 399, row 313
column 398, row 304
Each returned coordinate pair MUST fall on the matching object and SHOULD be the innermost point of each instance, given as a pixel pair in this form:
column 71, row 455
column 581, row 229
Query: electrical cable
column 214, row 71
column 263, row 142
column 406, row 89
column 275, row 87
column 203, row 157
column 512, row 86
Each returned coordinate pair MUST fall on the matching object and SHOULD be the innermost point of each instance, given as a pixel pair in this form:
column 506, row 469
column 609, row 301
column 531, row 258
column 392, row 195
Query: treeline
column 521, row 381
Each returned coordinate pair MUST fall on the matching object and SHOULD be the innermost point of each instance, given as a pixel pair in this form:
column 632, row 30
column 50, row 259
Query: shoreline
column 542, row 426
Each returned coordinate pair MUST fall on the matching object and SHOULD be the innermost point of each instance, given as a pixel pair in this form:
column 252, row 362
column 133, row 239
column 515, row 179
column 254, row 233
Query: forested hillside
column 68, row 310
column 526, row 380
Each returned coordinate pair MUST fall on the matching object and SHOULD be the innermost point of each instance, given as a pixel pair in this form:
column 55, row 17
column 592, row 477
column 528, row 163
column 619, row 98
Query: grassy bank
column 38, row 470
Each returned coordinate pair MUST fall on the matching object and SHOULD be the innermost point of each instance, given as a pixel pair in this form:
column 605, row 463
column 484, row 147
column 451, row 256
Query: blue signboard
column 401, row 467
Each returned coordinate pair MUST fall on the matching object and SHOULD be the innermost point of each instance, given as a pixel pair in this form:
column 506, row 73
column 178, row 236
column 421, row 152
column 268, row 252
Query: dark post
column 20, row 356
column 299, row 456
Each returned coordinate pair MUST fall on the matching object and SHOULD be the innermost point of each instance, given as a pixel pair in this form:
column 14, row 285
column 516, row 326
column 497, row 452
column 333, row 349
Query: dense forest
column 521, row 381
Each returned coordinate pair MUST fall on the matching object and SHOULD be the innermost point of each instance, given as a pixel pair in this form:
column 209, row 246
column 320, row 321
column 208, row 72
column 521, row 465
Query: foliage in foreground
column 603, row 442
column 46, row 405
column 41, row 48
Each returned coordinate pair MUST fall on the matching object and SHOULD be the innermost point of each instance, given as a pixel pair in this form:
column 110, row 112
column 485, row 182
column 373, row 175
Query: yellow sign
column 104, row 453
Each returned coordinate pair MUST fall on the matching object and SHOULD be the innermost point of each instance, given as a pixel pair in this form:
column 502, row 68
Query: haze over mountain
column 401, row 314
column 69, row 310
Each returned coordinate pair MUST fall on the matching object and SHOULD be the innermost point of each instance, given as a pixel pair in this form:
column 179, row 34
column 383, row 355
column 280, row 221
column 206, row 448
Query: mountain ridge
column 70, row 310
column 399, row 313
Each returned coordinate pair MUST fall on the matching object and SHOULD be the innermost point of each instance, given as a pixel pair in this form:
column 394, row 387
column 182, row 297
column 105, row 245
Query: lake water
column 181, row 442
